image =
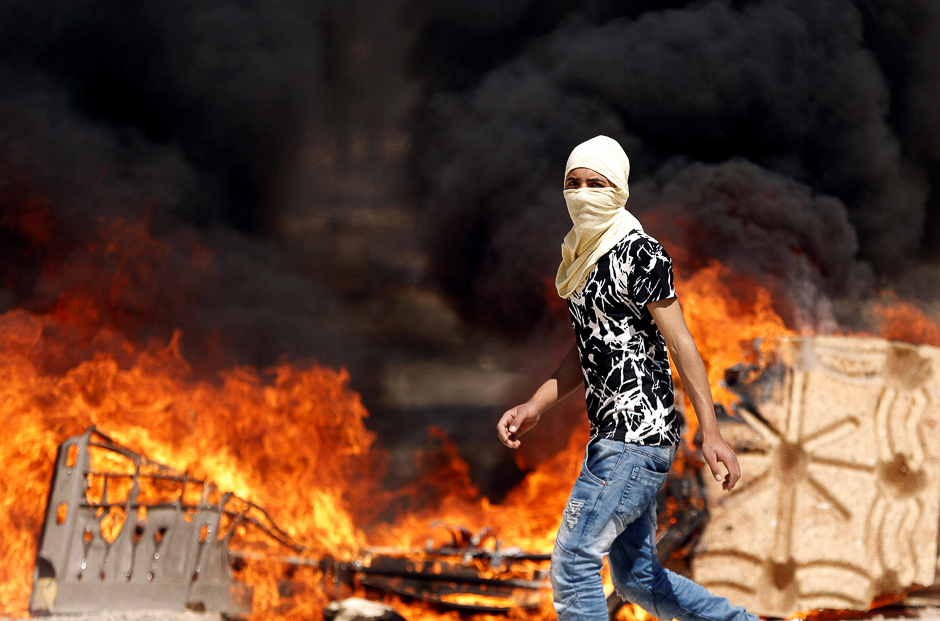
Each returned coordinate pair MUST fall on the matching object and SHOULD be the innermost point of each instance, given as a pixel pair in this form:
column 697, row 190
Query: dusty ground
column 929, row 613
column 136, row 615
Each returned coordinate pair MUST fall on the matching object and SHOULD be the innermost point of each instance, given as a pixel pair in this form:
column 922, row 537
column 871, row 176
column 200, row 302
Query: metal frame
column 168, row 554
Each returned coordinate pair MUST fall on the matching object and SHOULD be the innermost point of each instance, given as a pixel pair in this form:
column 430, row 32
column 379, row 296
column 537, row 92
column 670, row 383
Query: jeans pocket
column 601, row 458
column 640, row 491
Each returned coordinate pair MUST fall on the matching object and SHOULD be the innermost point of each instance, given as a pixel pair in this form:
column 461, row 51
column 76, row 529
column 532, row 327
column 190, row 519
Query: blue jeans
column 612, row 510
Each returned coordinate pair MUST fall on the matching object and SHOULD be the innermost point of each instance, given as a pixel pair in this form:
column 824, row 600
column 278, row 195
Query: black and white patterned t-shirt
column 628, row 384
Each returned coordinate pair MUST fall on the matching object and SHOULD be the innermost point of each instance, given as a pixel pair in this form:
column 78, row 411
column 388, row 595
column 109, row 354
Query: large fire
column 291, row 439
column 728, row 329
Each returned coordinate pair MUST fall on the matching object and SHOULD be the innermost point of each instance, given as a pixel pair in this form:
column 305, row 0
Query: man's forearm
column 562, row 383
column 714, row 448
column 522, row 418
column 695, row 380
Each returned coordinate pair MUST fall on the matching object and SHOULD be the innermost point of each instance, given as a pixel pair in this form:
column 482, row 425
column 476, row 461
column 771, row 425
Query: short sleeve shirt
column 628, row 383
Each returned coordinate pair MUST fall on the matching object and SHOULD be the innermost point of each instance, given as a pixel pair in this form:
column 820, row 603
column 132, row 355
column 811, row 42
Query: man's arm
column 668, row 317
column 522, row 418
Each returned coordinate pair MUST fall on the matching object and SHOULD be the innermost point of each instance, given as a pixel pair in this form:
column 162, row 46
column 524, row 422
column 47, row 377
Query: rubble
column 839, row 503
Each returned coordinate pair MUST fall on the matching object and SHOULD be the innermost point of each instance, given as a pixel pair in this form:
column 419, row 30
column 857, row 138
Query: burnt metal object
column 450, row 586
column 123, row 532
column 459, row 585
column 445, row 584
column 461, row 575
column 467, row 545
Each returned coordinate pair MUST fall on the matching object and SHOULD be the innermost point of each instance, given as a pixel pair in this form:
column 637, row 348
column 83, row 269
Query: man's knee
column 634, row 593
column 642, row 581
column 570, row 567
column 629, row 588
column 562, row 571
column 635, row 581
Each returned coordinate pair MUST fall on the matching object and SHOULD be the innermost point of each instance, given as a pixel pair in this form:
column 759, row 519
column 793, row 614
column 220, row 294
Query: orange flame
column 291, row 439
column 728, row 328
column 904, row 321
column 262, row 437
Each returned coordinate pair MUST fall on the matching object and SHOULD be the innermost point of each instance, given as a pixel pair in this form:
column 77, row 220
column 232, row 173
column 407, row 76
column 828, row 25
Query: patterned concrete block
column 839, row 502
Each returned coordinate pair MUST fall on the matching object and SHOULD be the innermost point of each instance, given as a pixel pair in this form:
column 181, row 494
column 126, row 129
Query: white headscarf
column 598, row 214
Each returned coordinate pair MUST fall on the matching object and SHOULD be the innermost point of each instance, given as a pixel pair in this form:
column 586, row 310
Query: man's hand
column 668, row 317
column 562, row 383
column 516, row 422
column 716, row 450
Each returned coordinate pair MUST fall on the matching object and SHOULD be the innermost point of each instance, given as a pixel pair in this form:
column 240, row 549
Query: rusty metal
column 144, row 536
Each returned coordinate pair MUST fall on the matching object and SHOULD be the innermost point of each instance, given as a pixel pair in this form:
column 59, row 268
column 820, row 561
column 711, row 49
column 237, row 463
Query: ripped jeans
column 612, row 509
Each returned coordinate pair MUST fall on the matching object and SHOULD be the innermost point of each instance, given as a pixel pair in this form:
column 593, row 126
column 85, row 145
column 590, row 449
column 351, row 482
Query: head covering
column 598, row 215
column 604, row 155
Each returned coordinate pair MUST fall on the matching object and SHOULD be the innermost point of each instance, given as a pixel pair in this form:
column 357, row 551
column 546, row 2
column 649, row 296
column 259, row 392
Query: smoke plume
column 775, row 96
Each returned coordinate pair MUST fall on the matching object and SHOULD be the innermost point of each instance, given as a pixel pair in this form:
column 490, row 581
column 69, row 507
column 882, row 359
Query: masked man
column 619, row 286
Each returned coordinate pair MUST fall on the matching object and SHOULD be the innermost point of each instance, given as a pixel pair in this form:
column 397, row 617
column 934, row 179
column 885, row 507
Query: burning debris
column 467, row 587
column 124, row 532
column 462, row 575
column 840, row 500
column 264, row 438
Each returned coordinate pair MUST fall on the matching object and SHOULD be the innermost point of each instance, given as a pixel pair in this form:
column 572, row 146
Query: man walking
column 619, row 286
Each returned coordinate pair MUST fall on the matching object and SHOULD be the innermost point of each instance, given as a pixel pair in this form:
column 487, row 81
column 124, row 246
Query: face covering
column 598, row 215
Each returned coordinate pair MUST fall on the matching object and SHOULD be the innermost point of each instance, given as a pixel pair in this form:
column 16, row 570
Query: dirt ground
column 891, row 613
column 140, row 615
column 927, row 613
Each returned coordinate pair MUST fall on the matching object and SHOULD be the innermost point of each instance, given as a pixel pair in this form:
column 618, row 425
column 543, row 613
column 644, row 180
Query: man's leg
column 616, row 483
column 579, row 549
column 639, row 578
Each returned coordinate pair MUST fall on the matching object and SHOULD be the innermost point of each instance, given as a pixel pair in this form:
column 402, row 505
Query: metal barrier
column 123, row 532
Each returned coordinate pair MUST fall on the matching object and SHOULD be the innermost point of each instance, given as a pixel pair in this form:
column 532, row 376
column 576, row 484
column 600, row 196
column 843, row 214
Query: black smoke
column 823, row 105
column 186, row 119
column 202, row 113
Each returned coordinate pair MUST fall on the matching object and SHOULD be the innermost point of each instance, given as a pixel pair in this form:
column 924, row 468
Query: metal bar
column 447, row 577
column 436, row 591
